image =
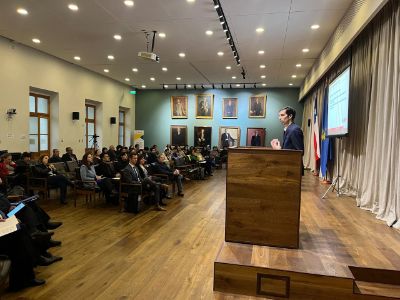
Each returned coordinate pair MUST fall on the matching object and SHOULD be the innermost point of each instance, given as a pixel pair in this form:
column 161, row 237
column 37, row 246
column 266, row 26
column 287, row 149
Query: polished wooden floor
column 170, row 255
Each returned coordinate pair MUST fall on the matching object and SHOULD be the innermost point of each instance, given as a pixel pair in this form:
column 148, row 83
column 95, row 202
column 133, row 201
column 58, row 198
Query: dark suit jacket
column 256, row 140
column 105, row 169
column 226, row 139
column 67, row 157
column 161, row 169
column 293, row 138
column 130, row 176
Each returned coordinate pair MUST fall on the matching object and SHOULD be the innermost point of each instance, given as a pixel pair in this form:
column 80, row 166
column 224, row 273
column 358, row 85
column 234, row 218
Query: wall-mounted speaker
column 309, row 122
column 75, row 115
column 113, row 120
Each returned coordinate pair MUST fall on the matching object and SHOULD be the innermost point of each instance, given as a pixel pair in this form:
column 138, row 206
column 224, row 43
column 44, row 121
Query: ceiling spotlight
column 216, row 4
column 314, row 27
column 176, row 86
column 261, row 52
column 152, row 79
column 77, row 58
column 298, row 66
column 233, row 77
column 135, row 70
column 166, row 86
column 106, row 70
column 73, row 7
column 178, row 78
column 228, row 36
column 255, row 85
column 22, row 11
column 162, row 35
column 264, row 84
column 213, row 86
column 36, row 41
column 110, row 57
column 127, row 79
column 222, row 86
column 184, row 86
column 222, row 21
column 260, row 30
column 164, row 69
column 244, row 85
column 230, row 86
column 294, row 76
column 305, row 50
column 182, row 54
column 190, row 1
column 209, row 32
column 202, row 86
column 228, row 67
column 195, row 87
column 129, row 3
column 163, row 86
column 262, row 66
column 143, row 86
column 263, row 76
column 224, row 27
column 238, row 85
column 220, row 53
column 290, row 84
column 117, row 37
column 189, row 85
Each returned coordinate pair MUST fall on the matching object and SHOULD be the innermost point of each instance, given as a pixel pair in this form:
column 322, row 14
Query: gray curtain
column 369, row 156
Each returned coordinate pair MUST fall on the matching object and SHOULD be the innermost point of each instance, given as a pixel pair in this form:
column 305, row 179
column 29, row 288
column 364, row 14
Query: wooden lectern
column 263, row 196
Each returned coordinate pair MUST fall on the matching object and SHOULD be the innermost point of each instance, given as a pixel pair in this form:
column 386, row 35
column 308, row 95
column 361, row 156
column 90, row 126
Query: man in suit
column 130, row 174
column 179, row 136
column 179, row 110
column 256, row 139
column 159, row 167
column 293, row 138
column 69, row 156
column 226, row 139
column 56, row 157
column 229, row 109
column 256, row 109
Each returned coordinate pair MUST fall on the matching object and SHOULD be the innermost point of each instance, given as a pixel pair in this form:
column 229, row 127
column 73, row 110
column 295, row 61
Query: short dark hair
column 290, row 111
column 131, row 154
column 26, row 154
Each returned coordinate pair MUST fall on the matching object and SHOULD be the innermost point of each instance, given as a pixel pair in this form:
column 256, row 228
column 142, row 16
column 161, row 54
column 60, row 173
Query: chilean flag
column 317, row 151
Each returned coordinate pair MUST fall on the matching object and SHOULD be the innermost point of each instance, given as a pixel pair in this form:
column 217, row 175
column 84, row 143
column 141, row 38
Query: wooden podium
column 263, row 196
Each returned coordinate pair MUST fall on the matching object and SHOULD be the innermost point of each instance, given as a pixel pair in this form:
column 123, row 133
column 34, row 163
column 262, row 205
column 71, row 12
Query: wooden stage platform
column 345, row 253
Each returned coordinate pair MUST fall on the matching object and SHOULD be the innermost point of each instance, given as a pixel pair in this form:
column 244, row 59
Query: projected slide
column 338, row 105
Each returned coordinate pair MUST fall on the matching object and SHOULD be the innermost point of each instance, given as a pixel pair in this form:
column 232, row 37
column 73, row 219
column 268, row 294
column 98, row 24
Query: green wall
column 153, row 113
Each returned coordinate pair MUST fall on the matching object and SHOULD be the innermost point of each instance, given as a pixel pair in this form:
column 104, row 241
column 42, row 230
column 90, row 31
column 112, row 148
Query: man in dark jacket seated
column 69, row 156
column 56, row 157
column 159, row 167
column 105, row 168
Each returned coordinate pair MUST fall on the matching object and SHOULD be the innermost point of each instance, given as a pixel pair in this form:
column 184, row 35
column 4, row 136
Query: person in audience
column 7, row 166
column 97, row 157
column 152, row 155
column 105, row 168
column 56, row 157
column 112, row 153
column 122, row 162
column 22, row 169
column 130, row 174
column 160, row 167
column 88, row 173
column 69, row 155
column 137, row 148
column 104, row 150
column 46, row 170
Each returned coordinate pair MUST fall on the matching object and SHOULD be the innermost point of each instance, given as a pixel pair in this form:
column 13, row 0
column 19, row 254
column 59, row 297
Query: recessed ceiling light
column 36, row 41
column 73, row 7
column 106, row 70
column 189, row 85
column 129, row 3
column 110, row 57
column 228, row 67
column 315, row 26
column 178, row 78
column 220, row 53
column 127, row 79
column 22, row 11
column 260, row 29
column 290, row 84
column 209, row 32
column 162, row 35
column 294, row 76
column 152, row 79
column 262, row 66
column 263, row 76
column 143, row 86
column 117, row 37
column 182, row 54
column 233, row 77
column 264, row 84
column 77, row 58
column 261, row 52
column 166, row 86
column 298, row 66
column 190, row 1
column 238, row 85
column 135, row 70
column 164, row 69
column 305, row 50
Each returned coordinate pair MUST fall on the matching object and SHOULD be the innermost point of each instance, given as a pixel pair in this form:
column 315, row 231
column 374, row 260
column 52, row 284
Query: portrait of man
column 179, row 107
column 204, row 106
column 257, row 106
column 229, row 136
column 256, row 137
column 178, row 135
column 229, row 108
column 202, row 136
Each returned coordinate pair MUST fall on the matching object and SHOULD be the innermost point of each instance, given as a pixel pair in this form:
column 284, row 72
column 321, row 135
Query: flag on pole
column 326, row 144
column 317, row 151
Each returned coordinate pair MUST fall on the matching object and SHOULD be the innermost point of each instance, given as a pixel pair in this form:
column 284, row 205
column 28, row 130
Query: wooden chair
column 38, row 184
column 125, row 189
column 88, row 188
column 70, row 168
column 164, row 178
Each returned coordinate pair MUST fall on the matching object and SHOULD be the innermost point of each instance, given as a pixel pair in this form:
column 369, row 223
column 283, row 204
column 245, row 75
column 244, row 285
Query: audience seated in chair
column 56, row 157
column 159, row 167
column 69, row 155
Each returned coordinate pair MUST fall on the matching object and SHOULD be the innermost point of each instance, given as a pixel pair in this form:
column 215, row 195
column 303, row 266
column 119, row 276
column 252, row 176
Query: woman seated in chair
column 88, row 173
column 46, row 170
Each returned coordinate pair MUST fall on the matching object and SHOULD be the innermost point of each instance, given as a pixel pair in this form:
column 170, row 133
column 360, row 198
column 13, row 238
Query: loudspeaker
column 113, row 120
column 75, row 115
column 309, row 122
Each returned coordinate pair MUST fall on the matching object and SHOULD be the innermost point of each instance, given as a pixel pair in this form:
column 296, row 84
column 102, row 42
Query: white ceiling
column 88, row 33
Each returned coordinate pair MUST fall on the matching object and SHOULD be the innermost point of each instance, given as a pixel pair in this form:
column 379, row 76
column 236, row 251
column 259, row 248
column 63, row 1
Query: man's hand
column 275, row 144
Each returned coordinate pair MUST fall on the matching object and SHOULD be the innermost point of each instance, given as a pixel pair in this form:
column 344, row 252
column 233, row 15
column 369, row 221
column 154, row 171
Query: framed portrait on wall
column 229, row 108
column 202, row 136
column 179, row 135
column 204, row 106
column 257, row 106
column 229, row 136
column 256, row 137
column 179, row 107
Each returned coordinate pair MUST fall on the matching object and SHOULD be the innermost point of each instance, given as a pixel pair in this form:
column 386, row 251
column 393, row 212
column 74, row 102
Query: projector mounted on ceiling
column 149, row 55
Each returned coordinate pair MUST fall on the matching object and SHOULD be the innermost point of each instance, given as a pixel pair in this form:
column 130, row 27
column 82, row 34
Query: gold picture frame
column 204, row 106
column 230, row 108
column 257, row 106
column 179, row 107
